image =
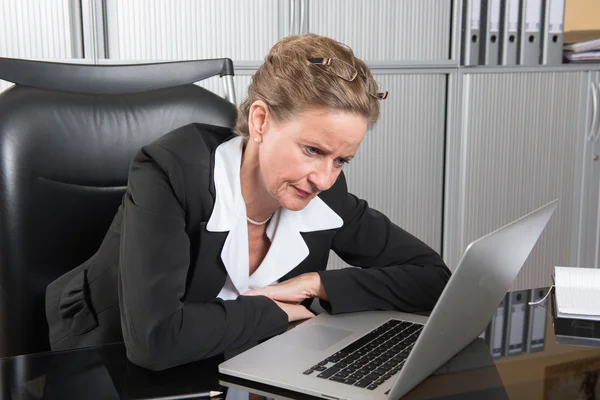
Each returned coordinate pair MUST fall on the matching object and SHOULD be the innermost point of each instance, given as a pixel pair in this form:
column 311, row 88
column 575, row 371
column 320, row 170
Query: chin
column 296, row 204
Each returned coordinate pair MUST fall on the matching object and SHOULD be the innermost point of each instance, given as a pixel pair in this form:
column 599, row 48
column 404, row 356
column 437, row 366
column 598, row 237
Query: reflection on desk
column 560, row 362
column 517, row 326
column 100, row 373
column 556, row 371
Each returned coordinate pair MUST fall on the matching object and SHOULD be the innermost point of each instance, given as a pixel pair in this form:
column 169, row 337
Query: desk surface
column 555, row 371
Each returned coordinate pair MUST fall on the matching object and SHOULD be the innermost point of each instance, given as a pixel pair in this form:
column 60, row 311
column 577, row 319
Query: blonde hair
column 289, row 84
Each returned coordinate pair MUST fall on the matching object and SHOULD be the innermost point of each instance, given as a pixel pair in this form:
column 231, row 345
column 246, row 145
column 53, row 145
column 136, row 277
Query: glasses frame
column 326, row 61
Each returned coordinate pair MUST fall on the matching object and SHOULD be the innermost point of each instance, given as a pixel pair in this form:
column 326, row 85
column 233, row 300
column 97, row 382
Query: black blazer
column 154, row 280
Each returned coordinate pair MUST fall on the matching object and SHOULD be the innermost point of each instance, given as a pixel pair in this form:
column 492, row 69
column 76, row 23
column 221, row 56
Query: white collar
column 288, row 248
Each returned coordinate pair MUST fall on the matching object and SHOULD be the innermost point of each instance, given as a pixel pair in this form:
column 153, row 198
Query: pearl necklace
column 253, row 222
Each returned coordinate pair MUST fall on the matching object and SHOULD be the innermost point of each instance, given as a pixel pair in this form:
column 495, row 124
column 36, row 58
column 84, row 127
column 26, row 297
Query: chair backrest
column 67, row 135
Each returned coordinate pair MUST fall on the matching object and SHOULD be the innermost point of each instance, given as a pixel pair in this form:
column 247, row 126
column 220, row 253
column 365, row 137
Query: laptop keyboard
column 372, row 359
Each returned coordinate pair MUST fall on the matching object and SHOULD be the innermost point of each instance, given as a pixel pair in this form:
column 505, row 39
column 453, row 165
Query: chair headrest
column 114, row 79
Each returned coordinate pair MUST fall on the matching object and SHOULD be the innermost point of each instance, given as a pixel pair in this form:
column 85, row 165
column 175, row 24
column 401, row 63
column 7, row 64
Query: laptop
column 384, row 354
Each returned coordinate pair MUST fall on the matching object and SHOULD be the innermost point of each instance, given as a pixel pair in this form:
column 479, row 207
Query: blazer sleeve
column 397, row 270
column 160, row 329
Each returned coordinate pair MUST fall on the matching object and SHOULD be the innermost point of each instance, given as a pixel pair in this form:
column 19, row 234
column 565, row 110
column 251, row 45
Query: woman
column 220, row 243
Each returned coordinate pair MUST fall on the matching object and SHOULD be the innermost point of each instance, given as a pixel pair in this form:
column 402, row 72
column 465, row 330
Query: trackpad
column 315, row 337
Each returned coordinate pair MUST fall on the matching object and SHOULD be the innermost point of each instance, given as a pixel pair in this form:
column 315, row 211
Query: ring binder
column 531, row 24
column 471, row 32
column 553, row 35
column 509, row 36
column 490, row 28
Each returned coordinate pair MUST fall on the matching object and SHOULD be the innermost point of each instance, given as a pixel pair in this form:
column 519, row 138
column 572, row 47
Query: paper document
column 577, row 292
column 581, row 41
column 586, row 56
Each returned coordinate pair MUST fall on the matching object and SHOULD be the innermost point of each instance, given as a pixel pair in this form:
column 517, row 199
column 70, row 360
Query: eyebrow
column 325, row 149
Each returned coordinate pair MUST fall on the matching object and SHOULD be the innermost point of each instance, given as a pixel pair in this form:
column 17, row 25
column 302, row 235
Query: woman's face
column 304, row 156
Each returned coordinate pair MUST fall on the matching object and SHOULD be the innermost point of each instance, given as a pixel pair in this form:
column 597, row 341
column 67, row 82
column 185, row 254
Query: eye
column 311, row 151
column 340, row 162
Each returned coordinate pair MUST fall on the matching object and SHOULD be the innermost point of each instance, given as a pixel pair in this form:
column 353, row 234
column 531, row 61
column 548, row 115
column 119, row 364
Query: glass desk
column 546, row 370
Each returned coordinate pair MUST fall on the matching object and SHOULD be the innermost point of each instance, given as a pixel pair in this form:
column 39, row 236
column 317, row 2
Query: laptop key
column 363, row 383
column 336, row 378
column 372, row 386
column 396, row 350
column 320, row 368
column 308, row 371
column 379, row 381
column 378, row 371
column 336, row 357
column 372, row 376
column 388, row 365
column 329, row 372
column 375, row 353
column 343, row 374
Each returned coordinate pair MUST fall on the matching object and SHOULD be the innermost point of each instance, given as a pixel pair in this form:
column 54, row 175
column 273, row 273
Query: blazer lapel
column 288, row 248
column 229, row 212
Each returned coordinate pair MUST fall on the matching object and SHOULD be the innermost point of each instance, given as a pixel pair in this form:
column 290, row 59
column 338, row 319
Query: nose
column 323, row 176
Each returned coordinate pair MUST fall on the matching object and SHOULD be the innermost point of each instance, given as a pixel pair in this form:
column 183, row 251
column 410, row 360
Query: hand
column 295, row 312
column 295, row 290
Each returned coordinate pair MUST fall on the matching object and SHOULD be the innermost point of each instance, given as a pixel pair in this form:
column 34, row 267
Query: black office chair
column 67, row 135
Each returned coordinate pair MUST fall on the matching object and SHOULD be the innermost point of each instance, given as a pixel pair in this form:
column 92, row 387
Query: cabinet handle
column 593, row 129
column 302, row 15
column 597, row 134
column 292, row 22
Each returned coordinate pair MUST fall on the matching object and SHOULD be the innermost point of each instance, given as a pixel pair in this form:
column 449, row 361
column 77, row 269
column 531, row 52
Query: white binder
column 553, row 32
column 509, row 38
column 471, row 32
column 530, row 48
column 490, row 32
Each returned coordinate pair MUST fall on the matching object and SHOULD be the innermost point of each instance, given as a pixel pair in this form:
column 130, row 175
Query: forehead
column 336, row 129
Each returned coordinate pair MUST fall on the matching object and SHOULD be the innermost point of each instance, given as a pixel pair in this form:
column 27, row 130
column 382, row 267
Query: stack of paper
column 577, row 293
column 582, row 46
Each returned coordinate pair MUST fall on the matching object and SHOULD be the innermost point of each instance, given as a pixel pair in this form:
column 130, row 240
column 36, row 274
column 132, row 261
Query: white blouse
column 287, row 249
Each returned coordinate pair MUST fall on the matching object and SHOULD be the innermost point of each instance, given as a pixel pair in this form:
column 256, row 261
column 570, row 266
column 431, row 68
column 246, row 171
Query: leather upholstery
column 64, row 159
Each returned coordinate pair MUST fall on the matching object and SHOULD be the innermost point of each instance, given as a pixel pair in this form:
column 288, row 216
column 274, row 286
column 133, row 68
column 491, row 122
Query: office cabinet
column 189, row 29
column 520, row 139
column 588, row 235
column 386, row 30
column 399, row 168
column 378, row 30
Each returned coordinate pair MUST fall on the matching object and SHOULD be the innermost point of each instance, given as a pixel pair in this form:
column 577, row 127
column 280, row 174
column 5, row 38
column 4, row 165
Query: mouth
column 302, row 193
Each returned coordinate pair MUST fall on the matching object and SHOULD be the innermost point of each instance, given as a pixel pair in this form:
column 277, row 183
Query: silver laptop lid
column 485, row 273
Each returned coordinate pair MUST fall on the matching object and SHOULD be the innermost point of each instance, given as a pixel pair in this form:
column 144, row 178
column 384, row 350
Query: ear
column 258, row 119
